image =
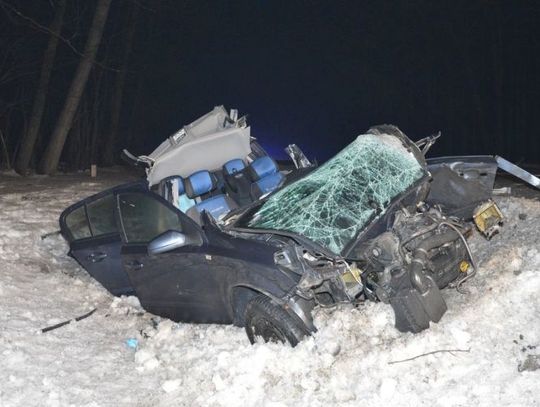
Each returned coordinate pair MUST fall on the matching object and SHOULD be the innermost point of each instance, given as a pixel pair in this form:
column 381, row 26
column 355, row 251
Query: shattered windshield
column 334, row 202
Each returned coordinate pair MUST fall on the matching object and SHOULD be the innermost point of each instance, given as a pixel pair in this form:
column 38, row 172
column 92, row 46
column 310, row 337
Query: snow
column 90, row 362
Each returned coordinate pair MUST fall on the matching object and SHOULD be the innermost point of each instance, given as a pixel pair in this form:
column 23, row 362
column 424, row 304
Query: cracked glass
column 334, row 202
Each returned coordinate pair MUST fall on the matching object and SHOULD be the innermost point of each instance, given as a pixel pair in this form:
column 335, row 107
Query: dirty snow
column 124, row 356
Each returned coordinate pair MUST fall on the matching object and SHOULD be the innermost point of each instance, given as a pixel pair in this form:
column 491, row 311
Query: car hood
column 332, row 204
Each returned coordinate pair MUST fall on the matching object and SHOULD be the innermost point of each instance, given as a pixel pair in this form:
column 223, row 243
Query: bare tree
column 53, row 151
column 110, row 144
column 29, row 139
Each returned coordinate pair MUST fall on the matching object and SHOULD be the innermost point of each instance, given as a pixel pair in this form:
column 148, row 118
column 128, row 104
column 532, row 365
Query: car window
column 333, row 204
column 77, row 223
column 144, row 217
column 101, row 215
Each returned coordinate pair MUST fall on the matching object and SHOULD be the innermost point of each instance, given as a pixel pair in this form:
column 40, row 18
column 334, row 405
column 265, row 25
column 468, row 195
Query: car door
column 90, row 227
column 461, row 183
column 179, row 284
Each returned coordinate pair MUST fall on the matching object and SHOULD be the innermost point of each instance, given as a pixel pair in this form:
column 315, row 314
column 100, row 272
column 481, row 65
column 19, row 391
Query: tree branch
column 45, row 29
column 431, row 353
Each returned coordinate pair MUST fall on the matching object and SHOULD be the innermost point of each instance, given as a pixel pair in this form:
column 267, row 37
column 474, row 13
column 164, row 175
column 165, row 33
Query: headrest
column 262, row 167
column 232, row 166
column 199, row 183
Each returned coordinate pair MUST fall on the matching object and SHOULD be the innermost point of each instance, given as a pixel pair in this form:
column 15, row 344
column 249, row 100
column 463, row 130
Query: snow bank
column 89, row 363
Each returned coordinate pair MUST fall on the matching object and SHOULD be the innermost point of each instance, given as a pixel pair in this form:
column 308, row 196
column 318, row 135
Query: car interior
column 238, row 183
column 213, row 165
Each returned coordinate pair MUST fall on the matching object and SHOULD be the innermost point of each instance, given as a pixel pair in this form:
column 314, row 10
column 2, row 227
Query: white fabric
column 212, row 122
column 208, row 152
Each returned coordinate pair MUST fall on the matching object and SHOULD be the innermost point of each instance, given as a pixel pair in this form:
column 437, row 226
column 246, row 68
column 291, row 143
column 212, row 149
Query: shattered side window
column 333, row 203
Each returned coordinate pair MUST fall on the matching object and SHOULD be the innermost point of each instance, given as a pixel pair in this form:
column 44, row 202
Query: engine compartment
column 408, row 265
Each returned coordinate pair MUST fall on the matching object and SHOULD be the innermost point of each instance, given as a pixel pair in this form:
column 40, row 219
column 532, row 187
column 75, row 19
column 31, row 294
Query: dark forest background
column 313, row 73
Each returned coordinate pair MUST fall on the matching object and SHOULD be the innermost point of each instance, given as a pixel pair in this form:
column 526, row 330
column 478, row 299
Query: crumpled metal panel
column 334, row 202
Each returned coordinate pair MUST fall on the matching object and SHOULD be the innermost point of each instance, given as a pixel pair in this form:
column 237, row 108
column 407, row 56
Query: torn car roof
column 207, row 143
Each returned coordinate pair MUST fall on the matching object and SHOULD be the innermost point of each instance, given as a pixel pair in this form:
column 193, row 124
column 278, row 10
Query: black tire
column 265, row 319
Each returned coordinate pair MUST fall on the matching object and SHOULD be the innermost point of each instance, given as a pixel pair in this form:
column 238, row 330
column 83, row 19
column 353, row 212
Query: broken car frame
column 377, row 221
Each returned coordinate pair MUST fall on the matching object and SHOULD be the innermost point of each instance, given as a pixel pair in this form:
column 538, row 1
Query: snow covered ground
column 88, row 363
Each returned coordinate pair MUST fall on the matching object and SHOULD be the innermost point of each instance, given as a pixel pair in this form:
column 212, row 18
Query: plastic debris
column 132, row 343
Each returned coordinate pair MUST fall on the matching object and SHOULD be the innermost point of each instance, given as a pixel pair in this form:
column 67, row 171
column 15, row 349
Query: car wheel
column 269, row 321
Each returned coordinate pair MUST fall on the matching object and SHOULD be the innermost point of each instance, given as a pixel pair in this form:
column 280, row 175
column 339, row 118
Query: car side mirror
column 168, row 241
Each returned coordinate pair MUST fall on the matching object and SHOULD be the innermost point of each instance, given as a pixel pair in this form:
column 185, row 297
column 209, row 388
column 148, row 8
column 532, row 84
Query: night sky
column 320, row 73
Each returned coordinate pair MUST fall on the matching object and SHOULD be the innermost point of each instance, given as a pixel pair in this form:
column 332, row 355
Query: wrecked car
column 219, row 233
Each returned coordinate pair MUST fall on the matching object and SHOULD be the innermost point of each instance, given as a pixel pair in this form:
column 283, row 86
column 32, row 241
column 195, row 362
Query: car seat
column 265, row 176
column 237, row 181
column 199, row 186
column 172, row 189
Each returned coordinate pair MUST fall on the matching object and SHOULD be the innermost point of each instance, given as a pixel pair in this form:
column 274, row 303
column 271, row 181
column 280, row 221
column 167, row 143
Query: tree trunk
column 30, row 136
column 116, row 108
column 63, row 125
column 96, row 118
